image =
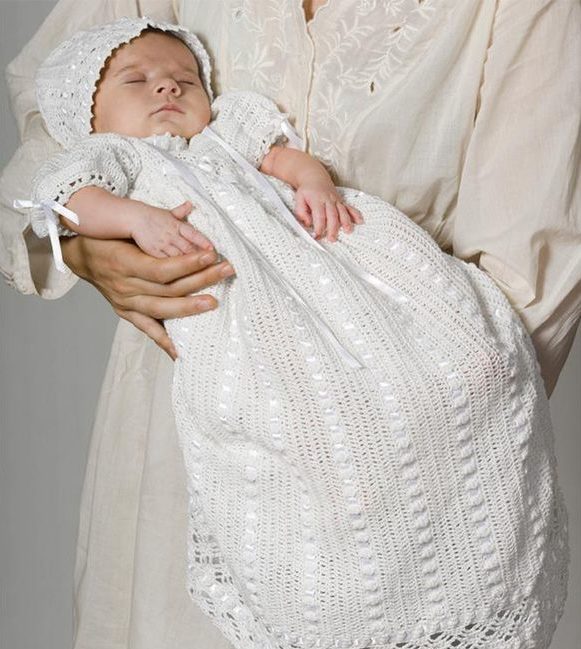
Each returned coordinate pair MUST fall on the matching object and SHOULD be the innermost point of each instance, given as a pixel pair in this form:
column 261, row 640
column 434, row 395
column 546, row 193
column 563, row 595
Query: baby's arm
column 157, row 231
column 318, row 203
column 93, row 180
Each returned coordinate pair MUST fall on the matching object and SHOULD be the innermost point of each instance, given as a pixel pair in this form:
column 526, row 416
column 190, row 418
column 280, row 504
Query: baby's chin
column 174, row 124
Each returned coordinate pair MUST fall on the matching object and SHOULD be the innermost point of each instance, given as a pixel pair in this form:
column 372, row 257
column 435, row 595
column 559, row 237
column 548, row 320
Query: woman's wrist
column 72, row 251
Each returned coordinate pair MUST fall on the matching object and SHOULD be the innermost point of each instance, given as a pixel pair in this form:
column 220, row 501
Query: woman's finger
column 152, row 328
column 182, row 286
column 163, row 271
column 132, row 280
column 171, row 268
column 162, row 308
column 345, row 218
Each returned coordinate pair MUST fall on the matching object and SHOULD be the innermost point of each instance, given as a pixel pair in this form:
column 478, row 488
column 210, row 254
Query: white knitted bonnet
column 67, row 80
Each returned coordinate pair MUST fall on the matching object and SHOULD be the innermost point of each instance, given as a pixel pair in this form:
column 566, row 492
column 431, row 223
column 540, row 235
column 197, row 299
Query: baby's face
column 138, row 83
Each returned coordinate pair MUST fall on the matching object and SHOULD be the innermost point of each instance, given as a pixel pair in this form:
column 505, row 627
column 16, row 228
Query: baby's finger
column 195, row 236
column 345, row 218
column 355, row 214
column 170, row 250
column 183, row 245
column 319, row 218
column 181, row 211
column 302, row 211
column 332, row 221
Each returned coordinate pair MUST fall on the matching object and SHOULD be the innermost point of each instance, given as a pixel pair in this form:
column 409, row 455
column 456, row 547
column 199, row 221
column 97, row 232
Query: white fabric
column 457, row 147
column 313, row 483
column 111, row 169
column 50, row 224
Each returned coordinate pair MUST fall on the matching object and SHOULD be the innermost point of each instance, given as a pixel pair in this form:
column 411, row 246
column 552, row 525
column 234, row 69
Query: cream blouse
column 465, row 115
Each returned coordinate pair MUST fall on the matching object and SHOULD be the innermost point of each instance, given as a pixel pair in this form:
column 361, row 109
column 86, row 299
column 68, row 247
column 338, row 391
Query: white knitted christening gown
column 366, row 436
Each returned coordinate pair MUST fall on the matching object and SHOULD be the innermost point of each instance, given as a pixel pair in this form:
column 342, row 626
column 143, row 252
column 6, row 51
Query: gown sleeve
column 25, row 260
column 101, row 160
column 519, row 203
column 249, row 122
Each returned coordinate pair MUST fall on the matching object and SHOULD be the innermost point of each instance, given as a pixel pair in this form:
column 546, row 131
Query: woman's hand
column 143, row 289
column 318, row 204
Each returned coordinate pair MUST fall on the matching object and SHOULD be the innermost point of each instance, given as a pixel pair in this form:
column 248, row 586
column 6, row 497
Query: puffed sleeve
column 519, row 207
column 100, row 160
column 249, row 122
column 25, row 260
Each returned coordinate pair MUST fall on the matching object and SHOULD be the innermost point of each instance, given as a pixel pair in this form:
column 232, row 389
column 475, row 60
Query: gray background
column 52, row 360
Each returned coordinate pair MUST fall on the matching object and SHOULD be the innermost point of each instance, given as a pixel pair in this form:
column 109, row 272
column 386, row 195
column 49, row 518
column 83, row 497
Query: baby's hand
column 163, row 233
column 320, row 205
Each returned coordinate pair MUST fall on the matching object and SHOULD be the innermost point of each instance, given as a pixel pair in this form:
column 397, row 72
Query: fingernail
column 207, row 258
column 227, row 270
column 207, row 305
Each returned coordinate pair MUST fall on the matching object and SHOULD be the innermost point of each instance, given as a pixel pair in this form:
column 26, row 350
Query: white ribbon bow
column 49, row 207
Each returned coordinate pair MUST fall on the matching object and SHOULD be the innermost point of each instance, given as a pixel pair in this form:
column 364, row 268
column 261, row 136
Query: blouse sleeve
column 25, row 260
column 519, row 201
column 100, row 160
column 249, row 122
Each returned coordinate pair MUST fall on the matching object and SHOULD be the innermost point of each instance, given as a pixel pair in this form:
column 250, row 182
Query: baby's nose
column 168, row 85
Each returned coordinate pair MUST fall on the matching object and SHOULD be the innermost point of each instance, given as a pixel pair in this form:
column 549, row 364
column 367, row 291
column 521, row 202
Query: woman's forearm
column 102, row 215
column 294, row 167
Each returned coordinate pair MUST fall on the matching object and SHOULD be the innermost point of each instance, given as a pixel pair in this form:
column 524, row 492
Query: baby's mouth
column 169, row 107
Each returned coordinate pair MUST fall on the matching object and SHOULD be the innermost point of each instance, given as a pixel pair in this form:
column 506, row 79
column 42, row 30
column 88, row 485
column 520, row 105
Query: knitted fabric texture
column 67, row 80
column 411, row 503
column 112, row 168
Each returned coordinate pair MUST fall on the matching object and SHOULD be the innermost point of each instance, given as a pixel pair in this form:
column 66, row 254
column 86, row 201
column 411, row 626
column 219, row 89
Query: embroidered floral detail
column 339, row 82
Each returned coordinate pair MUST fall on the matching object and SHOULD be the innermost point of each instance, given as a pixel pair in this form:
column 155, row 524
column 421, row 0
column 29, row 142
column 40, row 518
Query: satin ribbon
column 292, row 136
column 52, row 221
